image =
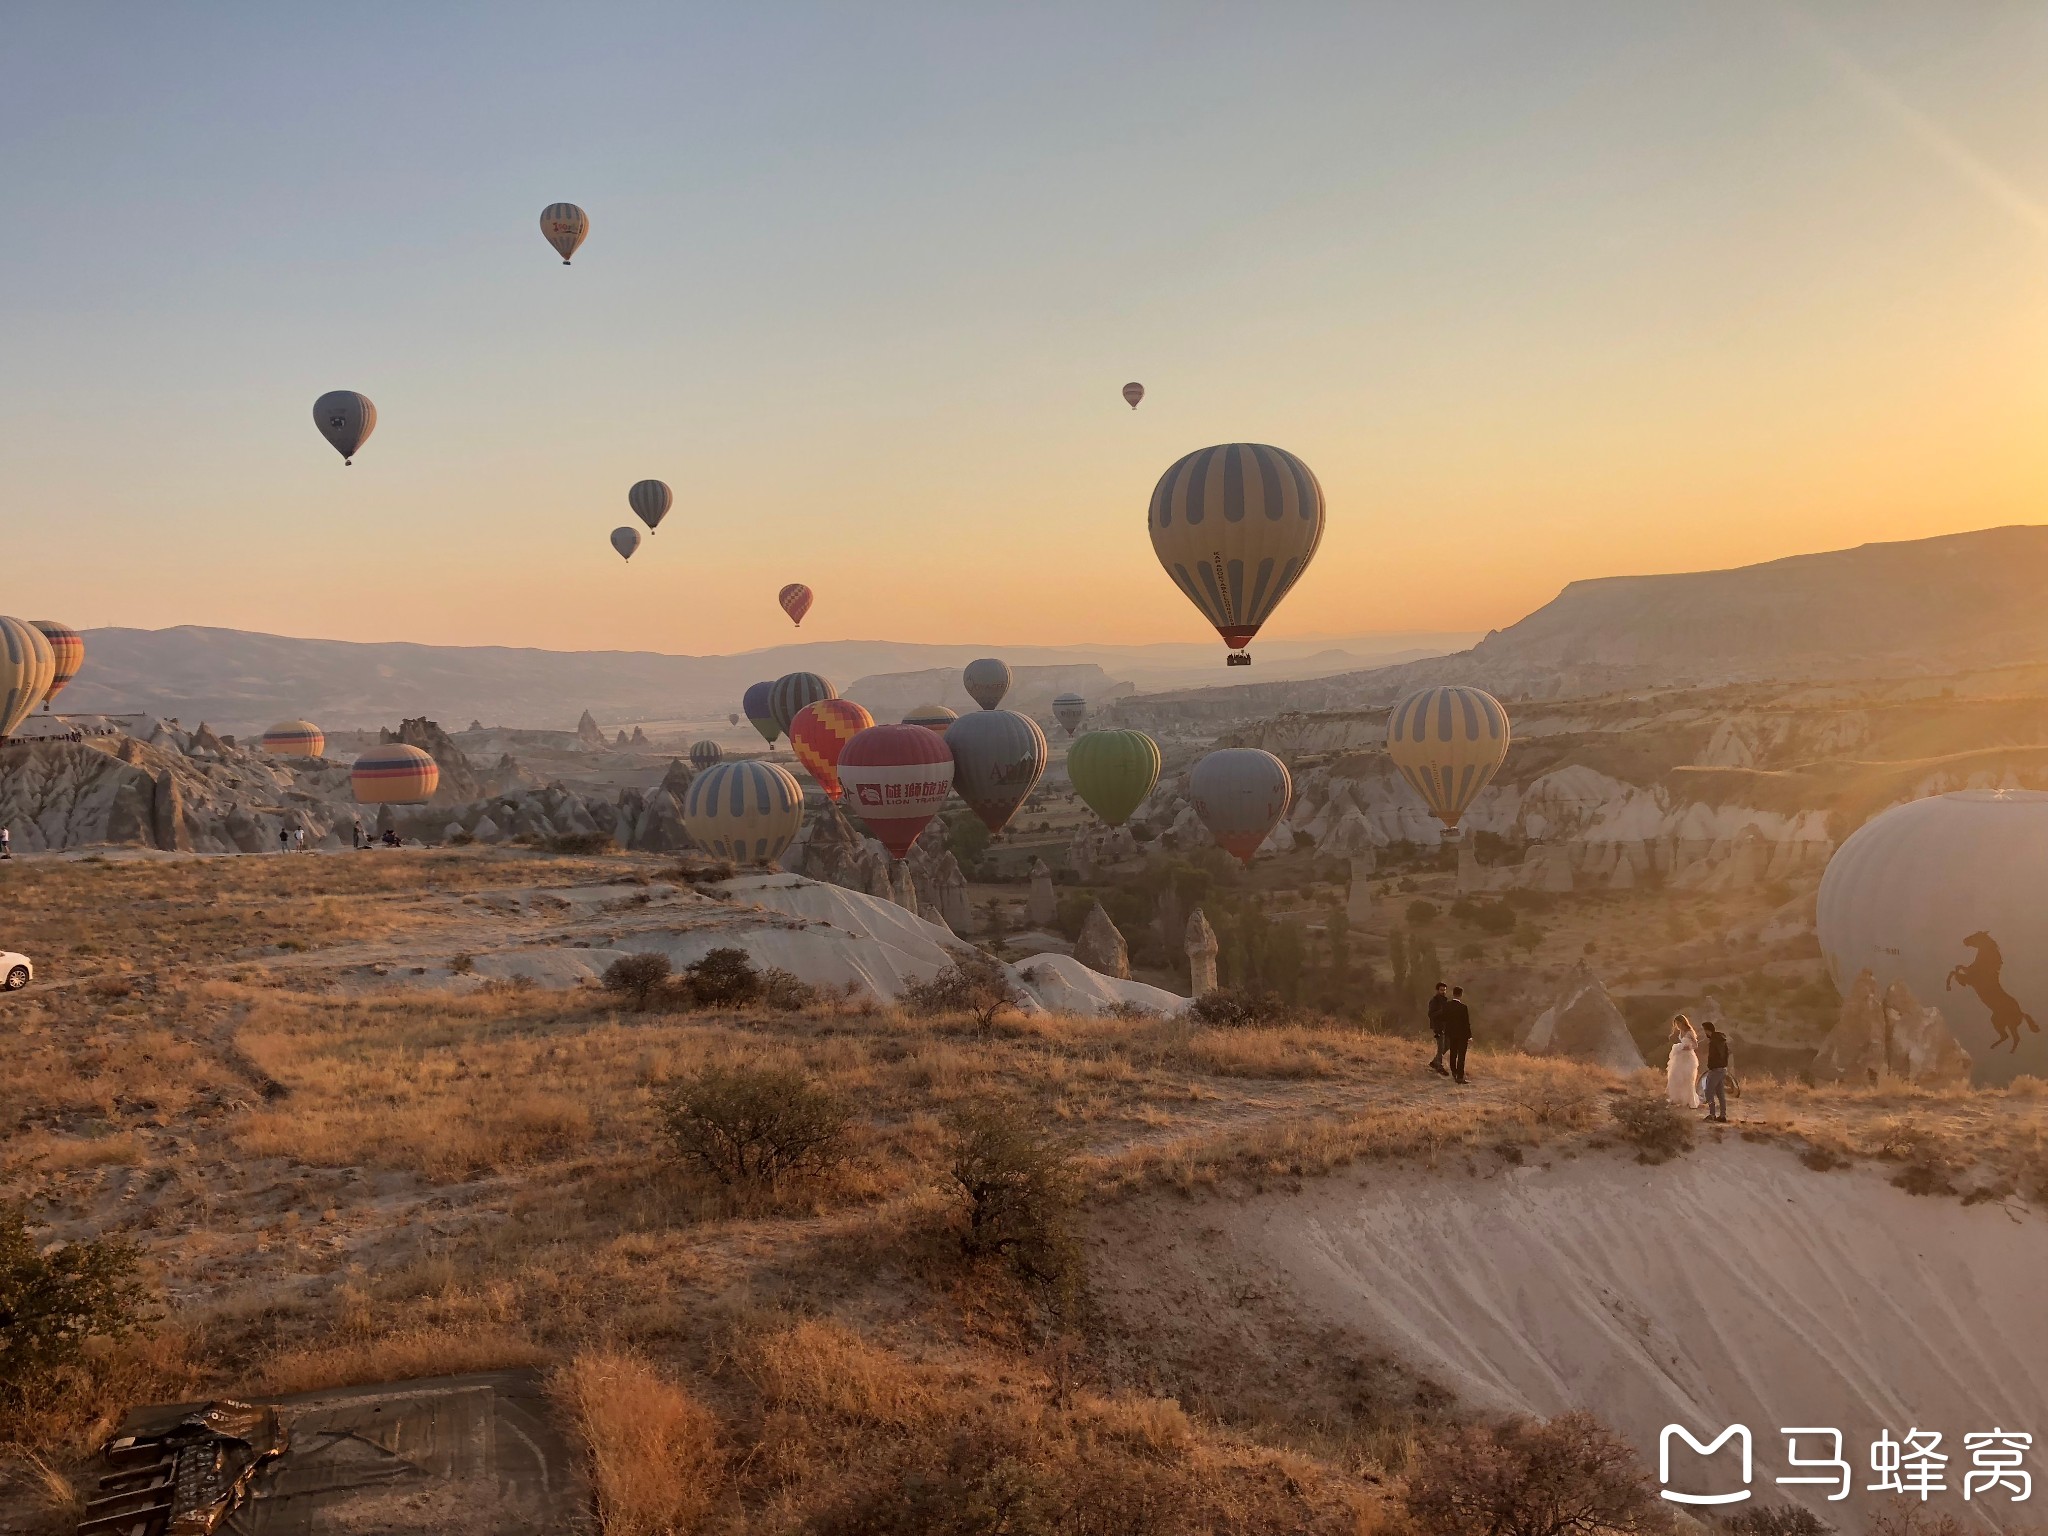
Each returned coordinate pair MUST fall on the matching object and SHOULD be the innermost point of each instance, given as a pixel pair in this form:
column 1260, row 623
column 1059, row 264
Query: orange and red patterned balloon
column 819, row 732
column 796, row 601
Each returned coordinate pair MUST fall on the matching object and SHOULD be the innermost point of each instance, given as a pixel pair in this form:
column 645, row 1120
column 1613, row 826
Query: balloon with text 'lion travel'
column 650, row 501
column 295, row 738
column 791, row 692
column 796, row 602
column 998, row 757
column 749, row 811
column 565, row 227
column 395, row 774
column 1133, row 393
column 896, row 779
column 754, row 705
column 1113, row 772
column 933, row 717
column 26, row 666
column 820, row 732
column 1448, row 742
column 1944, row 894
column 1240, row 794
column 626, row 541
column 67, row 645
column 1235, row 526
column 704, row 753
column 346, row 419
column 1070, row 709
column 986, row 681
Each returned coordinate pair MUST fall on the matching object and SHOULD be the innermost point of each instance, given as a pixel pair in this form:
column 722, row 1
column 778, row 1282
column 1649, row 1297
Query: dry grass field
column 333, row 1183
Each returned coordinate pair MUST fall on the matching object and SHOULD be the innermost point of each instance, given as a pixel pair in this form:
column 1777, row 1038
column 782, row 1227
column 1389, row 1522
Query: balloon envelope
column 346, row 419
column 733, row 718
column 754, row 704
column 998, row 756
column 820, row 732
column 704, row 753
column 1133, row 393
column 1448, row 743
column 1240, row 793
column 1235, row 526
column 897, row 778
column 1070, row 709
column 796, row 601
column 933, row 717
column 650, row 501
column 792, row 691
column 1113, row 772
column 295, row 738
column 986, row 681
column 395, row 774
column 566, row 227
column 749, row 811
column 67, row 645
column 1944, row 894
column 625, row 541
column 27, row 664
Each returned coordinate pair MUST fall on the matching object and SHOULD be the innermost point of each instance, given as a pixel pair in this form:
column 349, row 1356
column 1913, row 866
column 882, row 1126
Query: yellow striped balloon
column 1448, row 742
column 68, row 646
column 295, row 738
column 746, row 810
column 395, row 774
column 27, row 667
column 1235, row 526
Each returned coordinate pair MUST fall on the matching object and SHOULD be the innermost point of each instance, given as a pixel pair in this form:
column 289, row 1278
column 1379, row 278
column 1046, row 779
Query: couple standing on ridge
column 1684, row 1082
column 1451, row 1022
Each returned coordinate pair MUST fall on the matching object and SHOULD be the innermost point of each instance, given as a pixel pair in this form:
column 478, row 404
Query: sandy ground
column 1730, row 1286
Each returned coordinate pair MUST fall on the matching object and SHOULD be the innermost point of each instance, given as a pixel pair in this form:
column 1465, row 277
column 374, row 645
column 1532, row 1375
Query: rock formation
column 1043, row 905
column 1890, row 1034
column 1582, row 1022
column 1101, row 946
column 459, row 781
column 587, row 731
column 1202, row 947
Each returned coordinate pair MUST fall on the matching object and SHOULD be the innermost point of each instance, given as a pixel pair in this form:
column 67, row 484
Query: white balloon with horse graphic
column 1946, row 895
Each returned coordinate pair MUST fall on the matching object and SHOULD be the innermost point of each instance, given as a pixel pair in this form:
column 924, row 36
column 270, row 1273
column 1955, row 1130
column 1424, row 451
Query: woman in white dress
column 1682, row 1076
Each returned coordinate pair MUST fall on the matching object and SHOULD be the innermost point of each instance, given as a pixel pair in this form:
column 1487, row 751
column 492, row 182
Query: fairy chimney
column 1202, row 947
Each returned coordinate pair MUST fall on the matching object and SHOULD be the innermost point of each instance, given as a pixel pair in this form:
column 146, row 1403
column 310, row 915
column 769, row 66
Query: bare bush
column 1022, row 1191
column 1568, row 1476
column 758, row 1126
column 973, row 984
column 640, row 978
column 1233, row 1008
column 722, row 978
column 1653, row 1124
column 786, row 992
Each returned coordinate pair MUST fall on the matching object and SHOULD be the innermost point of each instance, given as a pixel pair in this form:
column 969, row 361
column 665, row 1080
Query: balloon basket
column 1238, row 659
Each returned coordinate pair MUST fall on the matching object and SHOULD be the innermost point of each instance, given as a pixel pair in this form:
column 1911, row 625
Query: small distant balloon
column 566, row 226
column 1070, row 709
column 650, row 501
column 986, row 681
column 733, row 718
column 796, row 601
column 704, row 753
column 625, row 541
column 346, row 419
column 754, row 704
column 1133, row 393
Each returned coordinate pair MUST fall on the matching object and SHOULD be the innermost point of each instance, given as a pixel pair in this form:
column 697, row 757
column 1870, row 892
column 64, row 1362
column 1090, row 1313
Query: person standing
column 1682, row 1073
column 1715, row 1083
column 6, row 843
column 1457, row 1032
column 1439, row 1001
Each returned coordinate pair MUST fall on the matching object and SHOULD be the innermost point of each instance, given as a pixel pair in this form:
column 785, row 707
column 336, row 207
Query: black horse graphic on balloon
column 1981, row 977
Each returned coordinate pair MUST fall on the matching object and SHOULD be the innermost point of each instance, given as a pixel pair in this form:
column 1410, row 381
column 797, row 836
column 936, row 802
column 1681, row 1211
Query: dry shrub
column 640, row 978
column 54, row 1301
column 823, row 1370
column 756, row 1126
column 786, row 992
column 1021, row 1190
column 652, row 1448
column 1232, row 1008
column 453, row 1350
column 1658, row 1128
column 1777, row 1520
column 494, row 1127
column 974, row 984
column 1568, row 1476
column 722, row 978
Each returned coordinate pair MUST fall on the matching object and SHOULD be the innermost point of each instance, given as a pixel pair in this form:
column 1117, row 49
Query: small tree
column 1421, row 913
column 974, row 983
column 1568, row 1476
column 755, row 1125
column 722, row 978
column 1653, row 1123
column 1022, row 1191
column 639, row 977
column 51, row 1303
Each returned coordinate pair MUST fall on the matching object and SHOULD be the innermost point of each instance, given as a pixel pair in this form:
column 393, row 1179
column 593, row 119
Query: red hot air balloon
column 819, row 732
column 899, row 777
column 796, row 601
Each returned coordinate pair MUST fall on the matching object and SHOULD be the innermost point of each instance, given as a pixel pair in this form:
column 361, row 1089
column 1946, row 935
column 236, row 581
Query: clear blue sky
column 1541, row 291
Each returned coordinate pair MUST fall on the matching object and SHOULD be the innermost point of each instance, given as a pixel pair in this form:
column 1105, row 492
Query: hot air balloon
column 295, row 738
column 704, row 753
column 1235, row 526
column 1133, row 393
column 986, row 681
column 998, row 756
column 625, row 541
column 897, row 777
column 1449, row 743
column 820, row 732
column 733, row 718
column 67, row 645
column 650, row 501
column 27, row 664
column 1240, row 793
column 1113, row 772
column 565, row 226
column 755, row 706
column 796, row 601
column 1944, row 894
column 791, row 692
column 749, row 811
column 1070, row 709
column 395, row 774
column 933, row 717
column 346, row 419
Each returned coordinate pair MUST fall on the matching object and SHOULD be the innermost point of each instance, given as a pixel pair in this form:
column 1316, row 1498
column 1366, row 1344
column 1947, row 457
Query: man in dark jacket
column 1714, row 1085
column 1457, row 1032
column 1439, row 1000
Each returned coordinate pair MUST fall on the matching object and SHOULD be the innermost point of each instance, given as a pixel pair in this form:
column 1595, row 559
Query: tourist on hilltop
column 1715, row 1083
column 1438, row 1002
column 1457, row 1032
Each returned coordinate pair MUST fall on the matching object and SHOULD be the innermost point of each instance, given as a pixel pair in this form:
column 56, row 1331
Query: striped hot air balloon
column 1235, row 526
column 998, row 756
column 1448, row 742
column 747, row 811
column 295, row 738
column 792, row 691
column 820, row 732
column 704, row 753
column 754, row 704
column 626, row 541
column 796, row 601
column 933, row 717
column 1070, row 709
column 565, row 226
column 1240, row 794
column 650, row 501
column 897, row 778
column 1133, row 393
column 67, row 645
column 986, row 680
column 1113, row 772
column 395, row 774
column 346, row 419
column 27, row 664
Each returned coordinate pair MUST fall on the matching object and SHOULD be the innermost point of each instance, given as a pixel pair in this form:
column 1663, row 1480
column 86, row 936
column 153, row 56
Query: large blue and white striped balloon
column 745, row 811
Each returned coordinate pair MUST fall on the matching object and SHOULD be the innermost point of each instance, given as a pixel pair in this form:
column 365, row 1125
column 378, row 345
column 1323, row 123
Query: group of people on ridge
column 1686, row 1082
